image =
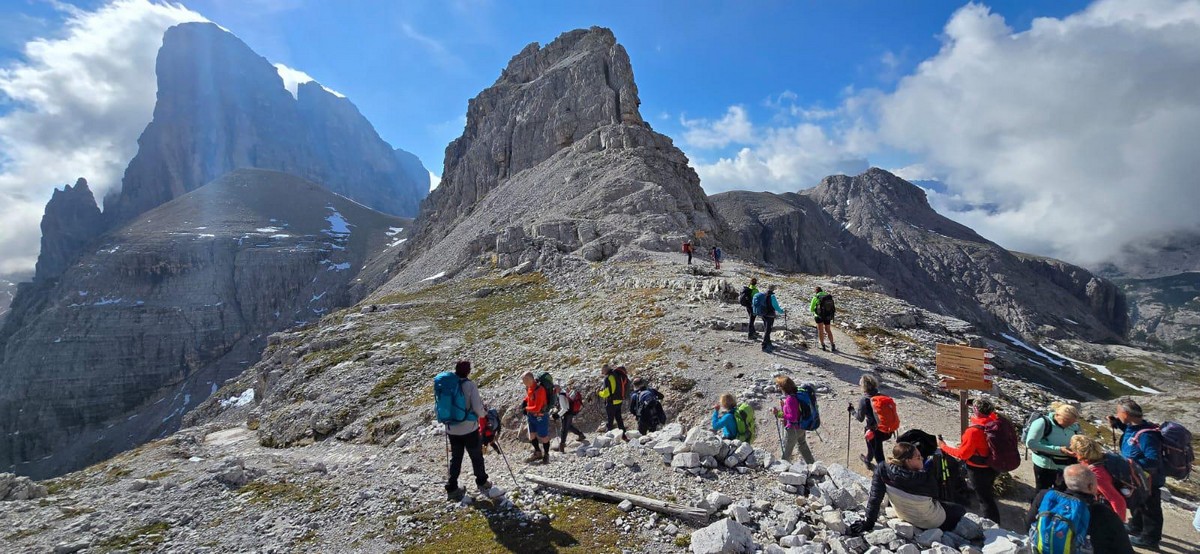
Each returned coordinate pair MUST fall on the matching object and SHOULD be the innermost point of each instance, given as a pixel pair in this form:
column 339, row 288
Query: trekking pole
column 779, row 433
column 847, row 438
column 496, row 445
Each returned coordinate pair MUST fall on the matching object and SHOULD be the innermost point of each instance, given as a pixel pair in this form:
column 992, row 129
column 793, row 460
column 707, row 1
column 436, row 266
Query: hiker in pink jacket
column 793, row 431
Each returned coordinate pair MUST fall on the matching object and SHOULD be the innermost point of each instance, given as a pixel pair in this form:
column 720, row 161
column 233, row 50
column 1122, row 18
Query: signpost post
column 964, row 369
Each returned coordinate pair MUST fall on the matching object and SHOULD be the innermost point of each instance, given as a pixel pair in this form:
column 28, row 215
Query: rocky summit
column 163, row 310
column 221, row 107
column 877, row 225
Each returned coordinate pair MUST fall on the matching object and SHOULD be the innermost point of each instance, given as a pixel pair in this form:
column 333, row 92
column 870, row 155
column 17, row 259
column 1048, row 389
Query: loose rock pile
column 13, row 487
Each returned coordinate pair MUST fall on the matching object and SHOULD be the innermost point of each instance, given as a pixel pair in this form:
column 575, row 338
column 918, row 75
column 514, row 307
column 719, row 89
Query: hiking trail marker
column 963, row 369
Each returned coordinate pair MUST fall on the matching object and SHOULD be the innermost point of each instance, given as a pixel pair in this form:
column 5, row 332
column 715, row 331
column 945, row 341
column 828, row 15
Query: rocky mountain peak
column 222, row 107
column 71, row 222
column 545, row 100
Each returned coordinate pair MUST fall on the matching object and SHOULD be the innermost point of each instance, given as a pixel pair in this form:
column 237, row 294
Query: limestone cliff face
column 879, row 226
column 71, row 222
column 221, row 107
column 157, row 314
column 556, row 161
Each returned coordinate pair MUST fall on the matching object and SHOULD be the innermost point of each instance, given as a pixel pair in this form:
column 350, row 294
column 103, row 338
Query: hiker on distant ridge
column 724, row 420
column 912, row 492
column 974, row 450
column 645, row 403
column 878, row 414
column 1048, row 437
column 612, row 392
column 1141, row 441
column 462, row 428
column 1055, row 516
column 717, row 257
column 746, row 298
column 688, row 249
column 766, row 306
column 536, row 413
column 570, row 403
column 823, row 310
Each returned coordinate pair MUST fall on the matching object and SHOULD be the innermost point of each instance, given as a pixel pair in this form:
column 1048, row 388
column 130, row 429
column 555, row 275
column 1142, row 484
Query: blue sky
column 1059, row 128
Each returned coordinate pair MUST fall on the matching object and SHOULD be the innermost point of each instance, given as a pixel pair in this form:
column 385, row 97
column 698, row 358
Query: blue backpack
column 761, row 304
column 1061, row 526
column 449, row 400
column 810, row 415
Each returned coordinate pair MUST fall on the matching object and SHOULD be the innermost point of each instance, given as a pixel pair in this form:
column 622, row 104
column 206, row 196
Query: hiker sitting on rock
column 911, row 490
column 1072, row 515
column 538, row 418
column 724, row 420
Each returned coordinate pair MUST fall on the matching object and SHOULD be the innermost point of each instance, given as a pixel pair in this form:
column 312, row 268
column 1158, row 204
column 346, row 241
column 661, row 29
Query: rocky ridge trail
column 337, row 449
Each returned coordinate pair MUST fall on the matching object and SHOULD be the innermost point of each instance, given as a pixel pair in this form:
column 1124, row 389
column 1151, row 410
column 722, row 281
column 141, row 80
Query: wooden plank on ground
column 677, row 510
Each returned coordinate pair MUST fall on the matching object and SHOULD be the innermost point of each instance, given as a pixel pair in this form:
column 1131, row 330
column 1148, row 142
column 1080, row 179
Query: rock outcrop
column 222, row 107
column 879, row 226
column 71, row 222
column 163, row 310
column 556, row 161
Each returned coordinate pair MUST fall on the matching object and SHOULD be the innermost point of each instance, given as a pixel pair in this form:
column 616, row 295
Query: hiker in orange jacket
column 974, row 451
column 538, row 417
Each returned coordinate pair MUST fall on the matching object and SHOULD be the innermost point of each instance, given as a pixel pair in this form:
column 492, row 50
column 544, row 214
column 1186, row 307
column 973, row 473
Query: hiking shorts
column 539, row 425
column 823, row 320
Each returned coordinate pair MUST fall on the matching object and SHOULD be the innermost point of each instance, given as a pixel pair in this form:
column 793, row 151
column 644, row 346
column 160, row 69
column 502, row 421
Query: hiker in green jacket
column 1048, row 439
column 823, row 312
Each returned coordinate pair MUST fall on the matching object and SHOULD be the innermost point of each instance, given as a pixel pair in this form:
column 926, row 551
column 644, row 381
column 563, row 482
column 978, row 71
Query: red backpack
column 1002, row 444
column 576, row 402
column 886, row 418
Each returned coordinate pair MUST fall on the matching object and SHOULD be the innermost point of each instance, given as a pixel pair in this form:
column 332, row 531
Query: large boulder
column 723, row 537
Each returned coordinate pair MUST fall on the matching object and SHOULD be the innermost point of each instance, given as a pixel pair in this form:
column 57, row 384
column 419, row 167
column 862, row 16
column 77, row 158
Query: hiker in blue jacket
column 1142, row 443
column 724, row 421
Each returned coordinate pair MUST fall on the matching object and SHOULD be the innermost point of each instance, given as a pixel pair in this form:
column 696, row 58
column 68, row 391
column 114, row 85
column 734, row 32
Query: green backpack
column 547, row 383
column 744, row 415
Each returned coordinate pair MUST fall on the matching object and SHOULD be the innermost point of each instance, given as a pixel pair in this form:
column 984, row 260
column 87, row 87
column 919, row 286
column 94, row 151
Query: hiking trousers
column 793, row 439
column 875, row 446
column 613, row 413
column 648, row 425
column 983, row 480
column 750, row 312
column 1147, row 520
column 1044, row 478
column 470, row 444
column 568, row 426
column 768, row 324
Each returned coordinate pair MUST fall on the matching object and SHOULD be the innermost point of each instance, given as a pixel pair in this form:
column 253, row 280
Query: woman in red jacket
column 1090, row 454
column 973, row 450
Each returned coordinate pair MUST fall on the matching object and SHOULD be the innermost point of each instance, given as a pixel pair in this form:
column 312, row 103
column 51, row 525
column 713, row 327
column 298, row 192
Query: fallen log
column 676, row 510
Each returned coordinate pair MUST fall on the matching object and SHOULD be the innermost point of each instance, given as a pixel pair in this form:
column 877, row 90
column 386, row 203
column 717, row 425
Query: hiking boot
column 1143, row 542
column 533, row 457
column 582, row 437
column 545, row 458
column 562, row 446
column 869, row 463
column 1132, row 530
column 624, row 437
column 455, row 495
column 823, row 347
column 833, row 347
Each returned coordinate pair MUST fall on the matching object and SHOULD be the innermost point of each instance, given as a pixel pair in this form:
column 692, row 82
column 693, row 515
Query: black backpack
column 647, row 408
column 745, row 297
column 826, row 307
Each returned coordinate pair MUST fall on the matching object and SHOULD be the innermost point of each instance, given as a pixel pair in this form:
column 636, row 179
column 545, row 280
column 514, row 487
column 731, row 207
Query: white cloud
column 434, row 180
column 733, row 128
column 77, row 105
column 293, row 78
column 1081, row 131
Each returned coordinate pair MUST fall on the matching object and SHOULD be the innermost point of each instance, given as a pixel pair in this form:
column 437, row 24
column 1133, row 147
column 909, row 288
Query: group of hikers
column 716, row 254
column 765, row 305
column 1086, row 497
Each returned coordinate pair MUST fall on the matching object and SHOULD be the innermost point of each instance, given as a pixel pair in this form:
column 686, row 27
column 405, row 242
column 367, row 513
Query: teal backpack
column 448, row 399
column 1061, row 526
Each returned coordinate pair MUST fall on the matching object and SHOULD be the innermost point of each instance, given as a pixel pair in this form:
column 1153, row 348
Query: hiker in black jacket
column 1105, row 529
column 911, row 490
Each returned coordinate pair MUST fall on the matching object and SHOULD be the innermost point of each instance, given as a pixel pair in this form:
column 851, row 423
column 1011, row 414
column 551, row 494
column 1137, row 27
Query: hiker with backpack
column 988, row 446
column 766, row 306
column 1048, row 435
column 823, row 309
column 537, row 404
column 1109, row 469
column 646, row 405
column 688, row 249
column 879, row 416
column 1070, row 521
column 570, row 403
column 1142, row 442
column 912, row 492
column 798, row 408
column 724, row 420
column 746, row 298
column 717, row 257
column 612, row 392
column 460, row 408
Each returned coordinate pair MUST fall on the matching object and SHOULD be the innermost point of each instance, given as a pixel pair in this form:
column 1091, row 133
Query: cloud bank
column 74, row 107
column 1078, row 134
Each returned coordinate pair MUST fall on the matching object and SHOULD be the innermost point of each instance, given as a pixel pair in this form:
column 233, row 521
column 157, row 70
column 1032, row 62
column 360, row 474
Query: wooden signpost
column 964, row 369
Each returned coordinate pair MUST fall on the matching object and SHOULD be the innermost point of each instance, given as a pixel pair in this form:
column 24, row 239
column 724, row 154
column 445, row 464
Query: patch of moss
column 313, row 496
column 575, row 526
column 25, row 533
column 115, row 473
column 683, row 541
column 160, row 475
column 65, row 484
column 146, row 538
column 680, row 384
